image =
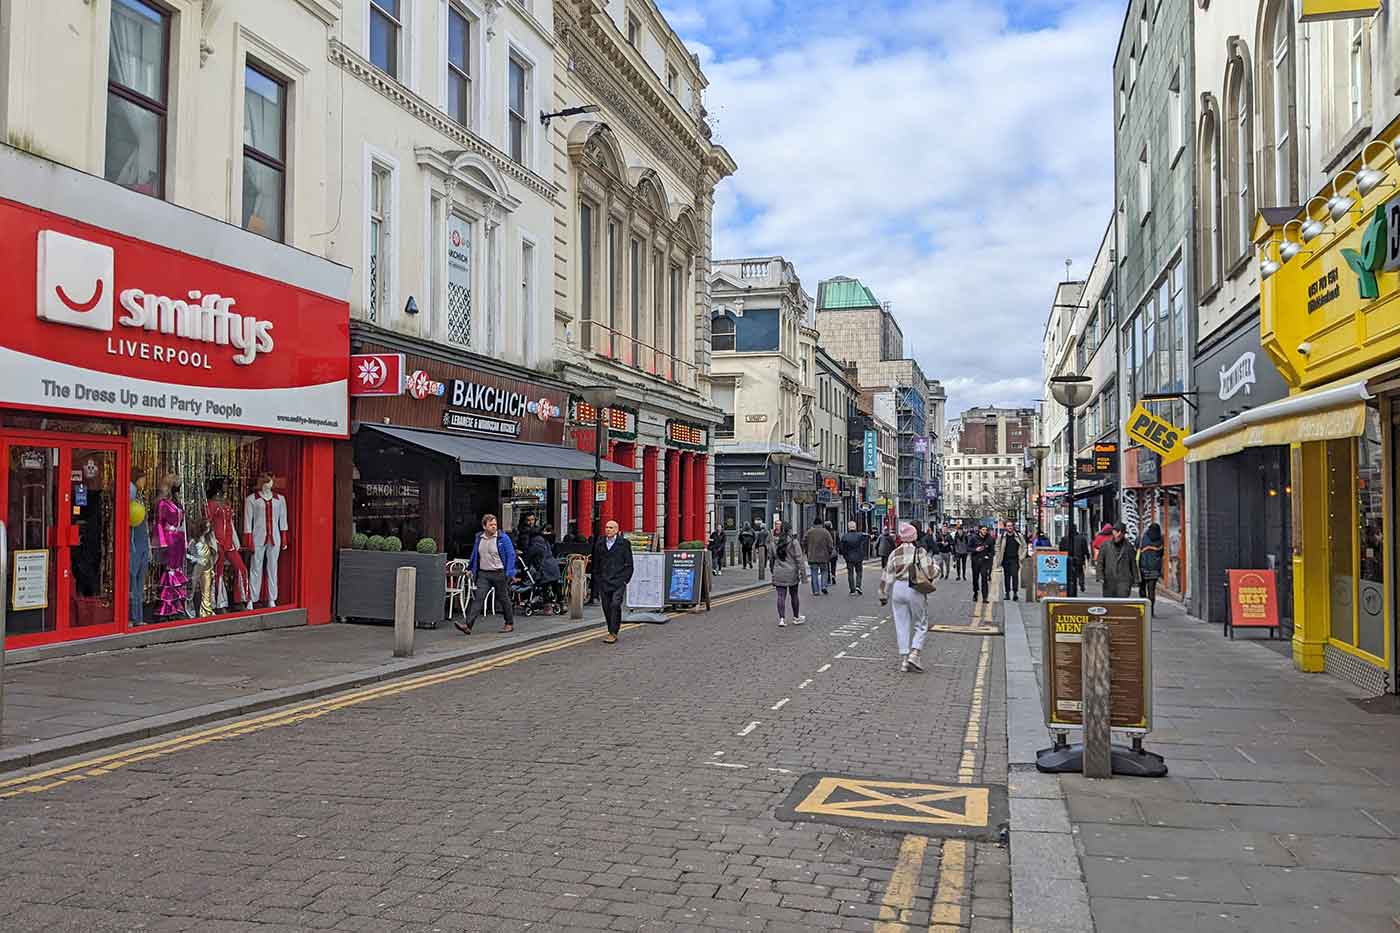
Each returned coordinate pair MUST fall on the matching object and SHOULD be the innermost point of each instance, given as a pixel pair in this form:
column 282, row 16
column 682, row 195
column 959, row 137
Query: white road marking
column 866, row 635
column 853, row 644
column 781, row 703
column 780, row 770
column 824, row 668
column 749, row 728
column 856, row 657
column 805, row 684
column 840, row 654
column 725, row 764
column 717, row 755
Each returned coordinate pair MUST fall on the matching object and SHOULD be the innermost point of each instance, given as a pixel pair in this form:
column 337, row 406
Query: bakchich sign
column 127, row 329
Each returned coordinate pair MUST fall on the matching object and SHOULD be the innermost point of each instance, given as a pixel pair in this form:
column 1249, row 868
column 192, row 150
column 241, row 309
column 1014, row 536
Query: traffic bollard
column 577, row 584
column 1098, row 737
column 405, row 587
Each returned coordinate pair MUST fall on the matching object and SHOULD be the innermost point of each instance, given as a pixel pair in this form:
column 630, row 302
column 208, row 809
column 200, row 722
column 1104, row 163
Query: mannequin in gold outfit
column 203, row 553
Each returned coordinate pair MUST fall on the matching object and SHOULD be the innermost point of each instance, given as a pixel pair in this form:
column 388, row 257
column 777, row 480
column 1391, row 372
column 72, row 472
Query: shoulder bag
column 920, row 577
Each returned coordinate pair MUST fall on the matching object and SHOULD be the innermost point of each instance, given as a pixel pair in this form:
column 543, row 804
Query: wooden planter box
column 365, row 583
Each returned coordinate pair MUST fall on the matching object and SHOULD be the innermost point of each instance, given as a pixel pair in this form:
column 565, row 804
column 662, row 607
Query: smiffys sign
column 128, row 329
column 1162, row 437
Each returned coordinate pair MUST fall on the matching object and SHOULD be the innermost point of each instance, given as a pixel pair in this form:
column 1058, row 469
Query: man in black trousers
column 612, row 563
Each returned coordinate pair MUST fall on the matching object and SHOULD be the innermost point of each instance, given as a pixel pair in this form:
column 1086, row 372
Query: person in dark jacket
column 1079, row 554
column 960, row 552
column 746, row 539
column 886, row 546
column 854, row 547
column 761, row 545
column 819, row 547
column 492, row 567
column 612, row 562
column 717, row 542
column 1010, row 550
column 1117, row 565
column 545, row 566
column 983, row 552
column 835, row 553
column 1150, row 563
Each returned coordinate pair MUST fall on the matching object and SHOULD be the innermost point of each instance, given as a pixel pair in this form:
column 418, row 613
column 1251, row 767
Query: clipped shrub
column 393, row 543
column 375, row 543
column 691, row 546
column 426, row 546
column 359, row 541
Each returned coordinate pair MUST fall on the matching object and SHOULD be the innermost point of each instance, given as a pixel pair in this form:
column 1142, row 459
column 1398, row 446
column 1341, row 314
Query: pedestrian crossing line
column 904, row 881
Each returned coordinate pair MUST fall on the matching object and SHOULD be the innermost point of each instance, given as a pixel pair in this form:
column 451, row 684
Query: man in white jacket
column 265, row 525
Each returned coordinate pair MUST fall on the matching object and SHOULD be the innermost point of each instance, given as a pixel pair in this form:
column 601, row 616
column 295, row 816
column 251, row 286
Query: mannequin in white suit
column 265, row 525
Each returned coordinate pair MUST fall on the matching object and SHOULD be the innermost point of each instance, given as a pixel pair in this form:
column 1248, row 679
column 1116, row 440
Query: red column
column 672, row 492
column 605, row 514
column 626, row 510
column 701, row 512
column 685, row 492
column 649, row 489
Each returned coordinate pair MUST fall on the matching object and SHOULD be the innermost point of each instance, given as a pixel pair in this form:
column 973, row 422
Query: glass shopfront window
column 215, row 523
column 1341, row 567
column 1370, row 528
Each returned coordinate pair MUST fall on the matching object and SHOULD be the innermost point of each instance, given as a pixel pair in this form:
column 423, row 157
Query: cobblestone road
column 590, row 787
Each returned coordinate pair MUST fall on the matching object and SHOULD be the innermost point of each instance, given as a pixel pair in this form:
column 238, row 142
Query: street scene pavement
column 673, row 781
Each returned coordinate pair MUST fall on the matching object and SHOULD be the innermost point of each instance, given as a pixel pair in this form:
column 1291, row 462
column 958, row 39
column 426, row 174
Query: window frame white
column 516, row 54
column 476, row 59
column 402, row 65
column 376, row 159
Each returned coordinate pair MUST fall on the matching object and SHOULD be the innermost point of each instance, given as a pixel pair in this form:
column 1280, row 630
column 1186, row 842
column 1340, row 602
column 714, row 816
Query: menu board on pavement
column 647, row 588
column 1130, row 660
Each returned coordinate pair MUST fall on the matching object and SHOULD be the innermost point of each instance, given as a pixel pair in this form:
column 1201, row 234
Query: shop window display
column 209, row 524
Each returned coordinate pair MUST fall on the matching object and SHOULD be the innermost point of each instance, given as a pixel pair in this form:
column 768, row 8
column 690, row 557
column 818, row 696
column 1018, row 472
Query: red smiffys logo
column 376, row 374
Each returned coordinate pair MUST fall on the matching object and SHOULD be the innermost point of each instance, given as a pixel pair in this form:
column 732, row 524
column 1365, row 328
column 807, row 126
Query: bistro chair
column 457, row 585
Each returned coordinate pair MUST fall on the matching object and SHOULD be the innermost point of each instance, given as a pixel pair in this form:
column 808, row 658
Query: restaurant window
column 137, row 93
column 518, row 137
column 459, row 66
column 1340, row 524
column 385, row 27
column 1370, row 530
column 264, row 153
column 722, row 328
column 218, row 546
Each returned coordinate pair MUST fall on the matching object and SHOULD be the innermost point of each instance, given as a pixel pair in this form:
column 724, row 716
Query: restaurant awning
column 483, row 456
column 1326, row 413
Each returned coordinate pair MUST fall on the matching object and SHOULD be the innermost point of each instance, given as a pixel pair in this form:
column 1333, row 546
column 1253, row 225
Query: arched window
column 722, row 332
column 1239, row 151
column 1279, row 173
column 1208, row 233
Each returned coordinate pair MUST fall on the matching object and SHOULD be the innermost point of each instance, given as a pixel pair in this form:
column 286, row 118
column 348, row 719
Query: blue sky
column 950, row 153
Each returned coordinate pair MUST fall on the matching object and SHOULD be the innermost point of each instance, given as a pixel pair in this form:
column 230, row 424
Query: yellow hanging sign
column 1155, row 434
column 1316, row 10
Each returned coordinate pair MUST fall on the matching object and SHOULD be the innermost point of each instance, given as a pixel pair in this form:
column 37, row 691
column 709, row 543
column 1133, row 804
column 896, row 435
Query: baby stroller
column 530, row 596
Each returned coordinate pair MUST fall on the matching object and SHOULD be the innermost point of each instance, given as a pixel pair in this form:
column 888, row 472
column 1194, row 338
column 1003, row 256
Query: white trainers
column 781, row 624
column 904, row 664
column 799, row 620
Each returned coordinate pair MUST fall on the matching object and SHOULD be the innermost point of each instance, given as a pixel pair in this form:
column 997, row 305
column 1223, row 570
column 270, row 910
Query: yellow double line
column 106, row 764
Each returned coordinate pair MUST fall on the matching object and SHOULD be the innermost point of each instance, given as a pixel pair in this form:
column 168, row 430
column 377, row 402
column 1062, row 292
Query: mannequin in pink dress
column 170, row 538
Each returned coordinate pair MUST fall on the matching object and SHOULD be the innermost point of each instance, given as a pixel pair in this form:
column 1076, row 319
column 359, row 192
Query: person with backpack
column 1118, row 564
column 746, row 540
column 885, row 546
column 1150, row 564
column 906, row 581
column 788, row 567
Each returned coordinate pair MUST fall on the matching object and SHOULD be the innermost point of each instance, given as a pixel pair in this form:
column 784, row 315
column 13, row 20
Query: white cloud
column 949, row 161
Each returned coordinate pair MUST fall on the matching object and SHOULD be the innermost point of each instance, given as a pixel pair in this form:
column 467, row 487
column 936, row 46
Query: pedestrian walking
column 1041, row 538
column 906, row 582
column 1009, row 552
column 761, row 543
column 1117, row 565
column 1104, row 536
column 885, row 546
column 746, row 541
column 1150, row 564
column 787, row 566
column 835, row 551
column 491, row 568
column 820, row 548
column 982, row 553
column 1079, row 554
column 717, row 542
column 613, row 560
column 854, row 548
column 961, row 549
column 945, row 553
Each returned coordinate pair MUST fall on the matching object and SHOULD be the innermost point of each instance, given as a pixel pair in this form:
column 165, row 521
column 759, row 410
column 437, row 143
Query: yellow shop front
column 1330, row 322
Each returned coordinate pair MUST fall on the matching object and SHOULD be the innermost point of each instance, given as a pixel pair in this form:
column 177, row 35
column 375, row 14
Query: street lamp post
column 1071, row 392
column 1039, row 452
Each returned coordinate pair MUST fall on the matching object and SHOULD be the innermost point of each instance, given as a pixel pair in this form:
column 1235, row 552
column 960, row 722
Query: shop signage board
column 1130, row 661
column 128, row 329
column 444, row 396
column 1051, row 574
column 1156, row 434
column 683, row 577
column 1149, row 468
column 1319, row 10
column 29, row 580
column 872, row 452
column 377, row 374
column 687, row 435
column 1253, row 600
column 1106, row 458
column 1084, row 468
column 647, row 589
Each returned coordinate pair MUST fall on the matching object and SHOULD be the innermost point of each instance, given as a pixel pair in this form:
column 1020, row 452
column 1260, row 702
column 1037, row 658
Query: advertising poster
column 1253, row 599
column 1130, row 685
column 682, row 577
column 1051, row 574
column 29, row 579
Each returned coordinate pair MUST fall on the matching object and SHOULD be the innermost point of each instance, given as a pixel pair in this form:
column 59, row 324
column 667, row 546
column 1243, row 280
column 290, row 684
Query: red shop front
column 167, row 423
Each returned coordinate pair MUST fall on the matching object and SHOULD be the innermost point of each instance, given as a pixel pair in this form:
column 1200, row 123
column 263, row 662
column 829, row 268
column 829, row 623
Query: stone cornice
column 359, row 67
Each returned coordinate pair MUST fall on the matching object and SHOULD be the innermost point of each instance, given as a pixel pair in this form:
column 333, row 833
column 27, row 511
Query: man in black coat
column 612, row 568
column 983, row 550
column 854, row 546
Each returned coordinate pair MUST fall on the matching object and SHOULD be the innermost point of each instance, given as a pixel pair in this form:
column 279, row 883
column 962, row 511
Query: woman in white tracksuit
column 910, row 606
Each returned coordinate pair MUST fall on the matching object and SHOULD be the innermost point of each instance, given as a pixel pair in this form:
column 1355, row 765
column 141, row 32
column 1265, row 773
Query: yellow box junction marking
column 897, row 802
column 106, row 764
column 1156, row 434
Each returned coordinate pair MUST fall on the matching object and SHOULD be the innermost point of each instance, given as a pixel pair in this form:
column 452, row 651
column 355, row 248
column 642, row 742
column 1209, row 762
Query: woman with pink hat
column 907, row 580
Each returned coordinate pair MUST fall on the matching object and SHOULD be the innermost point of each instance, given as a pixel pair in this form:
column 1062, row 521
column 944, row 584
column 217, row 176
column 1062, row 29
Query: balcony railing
column 627, row 350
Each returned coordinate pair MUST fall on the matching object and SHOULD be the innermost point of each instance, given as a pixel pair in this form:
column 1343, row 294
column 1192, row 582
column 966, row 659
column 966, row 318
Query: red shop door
column 61, row 498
